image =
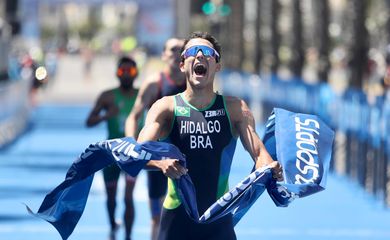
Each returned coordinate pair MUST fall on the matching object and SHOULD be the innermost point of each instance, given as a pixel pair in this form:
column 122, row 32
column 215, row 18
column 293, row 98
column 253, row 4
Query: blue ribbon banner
column 301, row 143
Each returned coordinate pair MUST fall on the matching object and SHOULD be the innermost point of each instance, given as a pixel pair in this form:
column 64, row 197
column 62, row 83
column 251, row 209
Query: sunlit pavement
column 38, row 161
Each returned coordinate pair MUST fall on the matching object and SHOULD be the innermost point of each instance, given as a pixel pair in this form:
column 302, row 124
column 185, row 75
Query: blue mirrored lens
column 207, row 51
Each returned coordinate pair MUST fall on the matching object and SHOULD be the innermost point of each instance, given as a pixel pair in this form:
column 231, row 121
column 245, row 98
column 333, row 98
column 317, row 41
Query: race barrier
column 14, row 110
column 364, row 125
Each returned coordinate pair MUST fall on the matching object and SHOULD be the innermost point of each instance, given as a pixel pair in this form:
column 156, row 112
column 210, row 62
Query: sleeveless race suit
column 157, row 181
column 116, row 128
column 206, row 139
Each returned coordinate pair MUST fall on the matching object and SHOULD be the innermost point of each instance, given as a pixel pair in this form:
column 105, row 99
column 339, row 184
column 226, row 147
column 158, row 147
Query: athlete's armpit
column 245, row 119
column 144, row 100
column 245, row 127
column 158, row 120
column 149, row 93
column 248, row 117
column 103, row 109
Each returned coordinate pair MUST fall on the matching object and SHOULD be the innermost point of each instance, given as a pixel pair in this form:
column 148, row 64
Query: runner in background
column 113, row 107
column 168, row 82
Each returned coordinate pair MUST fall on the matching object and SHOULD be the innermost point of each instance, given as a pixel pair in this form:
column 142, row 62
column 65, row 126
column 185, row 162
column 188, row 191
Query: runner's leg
column 129, row 206
column 111, row 176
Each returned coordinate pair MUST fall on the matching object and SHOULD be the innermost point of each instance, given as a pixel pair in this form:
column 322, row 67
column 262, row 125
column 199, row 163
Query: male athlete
column 168, row 82
column 204, row 126
column 113, row 106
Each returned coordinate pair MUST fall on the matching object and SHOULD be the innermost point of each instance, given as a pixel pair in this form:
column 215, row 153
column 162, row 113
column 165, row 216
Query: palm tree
column 358, row 43
column 258, row 52
column 298, row 57
column 235, row 42
column 322, row 37
column 275, row 35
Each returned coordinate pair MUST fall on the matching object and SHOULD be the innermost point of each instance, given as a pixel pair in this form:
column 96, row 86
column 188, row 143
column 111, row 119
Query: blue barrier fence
column 14, row 110
column 365, row 124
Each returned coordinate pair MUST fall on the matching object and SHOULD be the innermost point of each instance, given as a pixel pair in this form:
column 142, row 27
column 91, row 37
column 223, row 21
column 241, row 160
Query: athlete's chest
column 122, row 103
column 208, row 129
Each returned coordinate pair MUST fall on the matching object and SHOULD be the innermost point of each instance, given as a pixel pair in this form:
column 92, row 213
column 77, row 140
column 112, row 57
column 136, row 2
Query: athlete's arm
column 157, row 125
column 147, row 94
column 244, row 125
column 103, row 109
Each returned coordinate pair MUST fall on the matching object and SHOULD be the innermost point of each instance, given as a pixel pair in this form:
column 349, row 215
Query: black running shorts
column 176, row 225
column 157, row 184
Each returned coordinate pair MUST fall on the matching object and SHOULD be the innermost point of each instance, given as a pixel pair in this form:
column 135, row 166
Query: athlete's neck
column 175, row 75
column 129, row 92
column 199, row 98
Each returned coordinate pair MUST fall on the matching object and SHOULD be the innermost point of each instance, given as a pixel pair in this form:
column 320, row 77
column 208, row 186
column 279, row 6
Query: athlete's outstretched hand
column 277, row 170
column 172, row 168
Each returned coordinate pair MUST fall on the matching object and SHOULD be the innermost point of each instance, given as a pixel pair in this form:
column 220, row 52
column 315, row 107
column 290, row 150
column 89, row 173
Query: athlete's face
column 126, row 73
column 171, row 53
column 200, row 69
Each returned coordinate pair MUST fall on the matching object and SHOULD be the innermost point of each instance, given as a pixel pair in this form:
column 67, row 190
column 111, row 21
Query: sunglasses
column 207, row 52
column 131, row 71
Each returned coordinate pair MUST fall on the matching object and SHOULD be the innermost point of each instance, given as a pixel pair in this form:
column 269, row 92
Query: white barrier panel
column 14, row 110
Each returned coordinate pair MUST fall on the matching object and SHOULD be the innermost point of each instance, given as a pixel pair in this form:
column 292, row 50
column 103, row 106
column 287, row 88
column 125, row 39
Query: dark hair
column 169, row 39
column 204, row 35
column 124, row 59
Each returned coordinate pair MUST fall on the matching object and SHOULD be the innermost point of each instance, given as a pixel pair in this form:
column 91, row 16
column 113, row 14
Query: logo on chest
column 183, row 111
column 215, row 113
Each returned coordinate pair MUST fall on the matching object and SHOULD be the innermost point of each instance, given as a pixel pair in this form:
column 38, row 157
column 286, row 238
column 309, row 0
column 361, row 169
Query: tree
column 275, row 35
column 388, row 21
column 298, row 57
column 235, row 42
column 358, row 42
column 11, row 15
column 322, row 37
column 258, row 51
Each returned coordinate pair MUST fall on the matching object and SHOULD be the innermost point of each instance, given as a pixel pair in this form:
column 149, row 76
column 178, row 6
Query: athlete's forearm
column 169, row 167
column 95, row 119
column 250, row 139
column 263, row 158
column 152, row 165
column 131, row 125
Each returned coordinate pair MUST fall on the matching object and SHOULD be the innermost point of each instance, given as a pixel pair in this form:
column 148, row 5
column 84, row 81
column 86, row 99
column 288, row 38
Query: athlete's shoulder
column 110, row 91
column 107, row 94
column 149, row 87
column 162, row 109
column 232, row 101
column 236, row 107
column 165, row 102
column 106, row 98
column 154, row 78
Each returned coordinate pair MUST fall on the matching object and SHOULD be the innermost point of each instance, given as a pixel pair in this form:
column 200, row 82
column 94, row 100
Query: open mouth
column 200, row 69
